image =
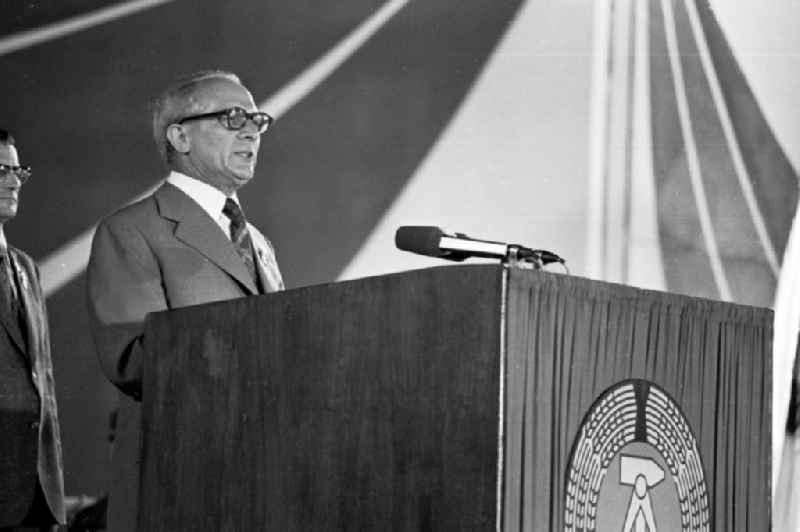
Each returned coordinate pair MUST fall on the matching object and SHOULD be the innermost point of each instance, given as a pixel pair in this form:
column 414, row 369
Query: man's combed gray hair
column 178, row 101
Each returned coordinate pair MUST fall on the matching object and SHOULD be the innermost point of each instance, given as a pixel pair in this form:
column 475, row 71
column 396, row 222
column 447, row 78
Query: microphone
column 433, row 242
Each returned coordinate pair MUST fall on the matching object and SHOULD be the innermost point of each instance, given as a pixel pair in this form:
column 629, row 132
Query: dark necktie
column 240, row 237
column 9, row 291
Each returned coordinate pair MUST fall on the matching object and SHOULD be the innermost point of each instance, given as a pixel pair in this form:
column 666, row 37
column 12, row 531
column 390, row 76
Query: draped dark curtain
column 572, row 342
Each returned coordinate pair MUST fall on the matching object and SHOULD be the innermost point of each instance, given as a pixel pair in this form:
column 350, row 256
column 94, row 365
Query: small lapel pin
column 23, row 279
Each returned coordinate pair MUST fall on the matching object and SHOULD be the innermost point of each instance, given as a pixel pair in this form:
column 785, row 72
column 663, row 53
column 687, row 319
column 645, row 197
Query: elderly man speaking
column 187, row 243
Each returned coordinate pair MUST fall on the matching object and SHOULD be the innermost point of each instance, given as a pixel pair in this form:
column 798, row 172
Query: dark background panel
column 22, row 15
column 686, row 262
column 773, row 178
column 78, row 107
column 85, row 398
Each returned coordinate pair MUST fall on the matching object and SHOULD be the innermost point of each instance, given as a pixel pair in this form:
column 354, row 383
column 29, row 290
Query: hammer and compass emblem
column 642, row 474
column 635, row 426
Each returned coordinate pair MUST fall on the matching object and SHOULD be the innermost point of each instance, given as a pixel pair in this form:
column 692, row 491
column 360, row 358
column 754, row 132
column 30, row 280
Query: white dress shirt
column 211, row 199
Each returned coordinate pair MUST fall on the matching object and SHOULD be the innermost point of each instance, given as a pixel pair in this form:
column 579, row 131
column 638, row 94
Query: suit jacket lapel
column 196, row 229
column 29, row 308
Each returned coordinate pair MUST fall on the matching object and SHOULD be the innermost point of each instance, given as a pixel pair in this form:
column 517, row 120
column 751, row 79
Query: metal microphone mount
column 524, row 258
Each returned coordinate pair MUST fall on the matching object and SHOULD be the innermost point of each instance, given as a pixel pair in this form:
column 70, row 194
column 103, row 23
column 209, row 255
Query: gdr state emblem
column 635, row 466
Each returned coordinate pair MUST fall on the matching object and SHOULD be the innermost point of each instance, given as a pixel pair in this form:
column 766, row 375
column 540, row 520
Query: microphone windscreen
column 422, row 239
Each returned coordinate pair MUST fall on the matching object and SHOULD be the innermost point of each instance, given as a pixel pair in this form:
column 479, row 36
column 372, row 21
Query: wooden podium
column 458, row 398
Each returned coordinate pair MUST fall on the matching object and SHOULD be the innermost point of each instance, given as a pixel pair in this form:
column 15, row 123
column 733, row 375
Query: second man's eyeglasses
column 23, row 173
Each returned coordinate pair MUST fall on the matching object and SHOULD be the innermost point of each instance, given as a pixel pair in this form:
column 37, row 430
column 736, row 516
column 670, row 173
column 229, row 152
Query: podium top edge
column 520, row 278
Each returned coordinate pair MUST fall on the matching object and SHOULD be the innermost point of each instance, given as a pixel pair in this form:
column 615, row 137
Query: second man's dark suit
column 30, row 440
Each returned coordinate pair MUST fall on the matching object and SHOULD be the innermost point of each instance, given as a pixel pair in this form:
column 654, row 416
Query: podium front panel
column 364, row 405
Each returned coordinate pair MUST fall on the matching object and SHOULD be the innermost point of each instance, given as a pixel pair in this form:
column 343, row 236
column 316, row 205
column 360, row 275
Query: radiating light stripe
column 618, row 148
column 784, row 347
column 646, row 265
column 26, row 39
column 730, row 138
column 69, row 261
column 692, row 159
column 297, row 89
column 626, row 178
column 598, row 124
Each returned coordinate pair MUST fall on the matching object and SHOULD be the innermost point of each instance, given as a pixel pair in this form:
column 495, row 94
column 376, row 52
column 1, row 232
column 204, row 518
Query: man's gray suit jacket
column 163, row 252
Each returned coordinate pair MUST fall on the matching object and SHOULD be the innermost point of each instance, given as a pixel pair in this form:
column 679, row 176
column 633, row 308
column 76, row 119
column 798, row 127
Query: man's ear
column 176, row 135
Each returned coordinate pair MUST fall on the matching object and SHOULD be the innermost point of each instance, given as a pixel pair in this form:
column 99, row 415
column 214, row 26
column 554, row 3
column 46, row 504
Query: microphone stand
column 523, row 258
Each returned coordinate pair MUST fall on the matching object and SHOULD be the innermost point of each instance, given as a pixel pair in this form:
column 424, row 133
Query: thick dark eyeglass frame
column 227, row 117
column 23, row 173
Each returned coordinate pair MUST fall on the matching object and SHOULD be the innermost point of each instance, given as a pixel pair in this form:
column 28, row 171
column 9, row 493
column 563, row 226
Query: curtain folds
column 571, row 341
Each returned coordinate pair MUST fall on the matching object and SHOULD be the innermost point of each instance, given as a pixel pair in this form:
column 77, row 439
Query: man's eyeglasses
column 235, row 119
column 22, row 172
